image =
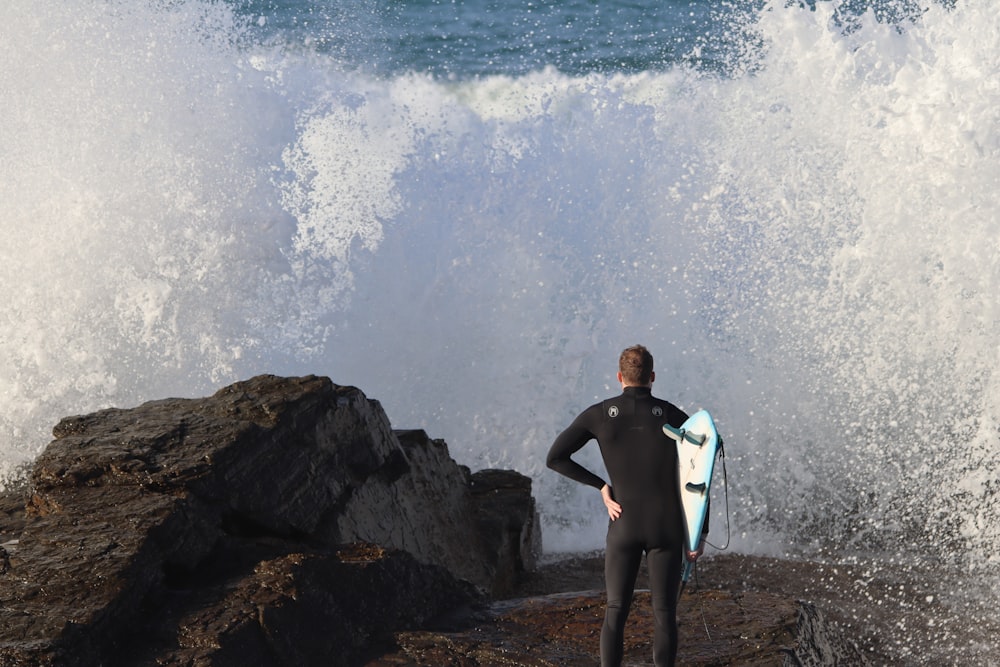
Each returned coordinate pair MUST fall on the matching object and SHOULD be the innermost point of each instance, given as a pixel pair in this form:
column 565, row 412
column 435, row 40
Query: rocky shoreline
column 749, row 628
column 283, row 521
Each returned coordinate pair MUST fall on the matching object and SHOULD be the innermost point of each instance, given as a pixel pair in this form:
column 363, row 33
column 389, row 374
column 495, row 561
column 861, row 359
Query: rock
column 717, row 628
column 738, row 610
column 306, row 608
column 508, row 522
column 126, row 503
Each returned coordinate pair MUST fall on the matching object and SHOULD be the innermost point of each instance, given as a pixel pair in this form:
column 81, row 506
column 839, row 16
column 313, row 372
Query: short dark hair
column 636, row 365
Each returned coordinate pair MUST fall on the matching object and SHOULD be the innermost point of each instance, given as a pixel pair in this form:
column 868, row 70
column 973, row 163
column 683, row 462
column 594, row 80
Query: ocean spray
column 807, row 244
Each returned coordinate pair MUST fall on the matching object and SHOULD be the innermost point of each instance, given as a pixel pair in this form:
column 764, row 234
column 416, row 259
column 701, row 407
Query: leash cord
column 725, row 486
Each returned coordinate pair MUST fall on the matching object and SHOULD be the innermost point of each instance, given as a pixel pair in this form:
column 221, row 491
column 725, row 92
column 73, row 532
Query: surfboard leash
column 701, row 602
column 725, row 489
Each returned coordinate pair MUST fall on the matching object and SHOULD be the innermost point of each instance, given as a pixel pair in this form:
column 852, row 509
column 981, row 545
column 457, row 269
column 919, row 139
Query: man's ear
column 620, row 378
column 652, row 376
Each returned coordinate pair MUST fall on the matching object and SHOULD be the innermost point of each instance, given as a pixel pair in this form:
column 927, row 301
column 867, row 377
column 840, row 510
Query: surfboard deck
column 697, row 445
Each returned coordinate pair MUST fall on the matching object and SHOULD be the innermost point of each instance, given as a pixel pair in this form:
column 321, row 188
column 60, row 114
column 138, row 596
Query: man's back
column 640, row 459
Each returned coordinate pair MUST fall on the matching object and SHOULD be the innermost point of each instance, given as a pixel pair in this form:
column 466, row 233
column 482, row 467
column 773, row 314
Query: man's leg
column 621, row 565
column 664, row 581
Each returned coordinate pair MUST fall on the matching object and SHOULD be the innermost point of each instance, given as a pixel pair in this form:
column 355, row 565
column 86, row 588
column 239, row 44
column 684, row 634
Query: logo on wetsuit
column 657, row 411
column 613, row 411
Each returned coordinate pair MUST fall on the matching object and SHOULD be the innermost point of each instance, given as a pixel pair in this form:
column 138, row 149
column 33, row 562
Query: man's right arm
column 568, row 443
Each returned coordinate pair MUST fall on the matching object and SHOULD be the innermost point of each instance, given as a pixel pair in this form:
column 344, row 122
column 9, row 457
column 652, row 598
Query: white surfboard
column 697, row 445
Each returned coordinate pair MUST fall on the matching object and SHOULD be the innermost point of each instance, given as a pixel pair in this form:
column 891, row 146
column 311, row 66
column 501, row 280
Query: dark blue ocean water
column 464, row 38
column 467, row 38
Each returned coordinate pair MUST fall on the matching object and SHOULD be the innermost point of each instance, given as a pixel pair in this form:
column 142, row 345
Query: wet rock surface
column 871, row 612
column 564, row 629
column 302, row 608
column 549, row 628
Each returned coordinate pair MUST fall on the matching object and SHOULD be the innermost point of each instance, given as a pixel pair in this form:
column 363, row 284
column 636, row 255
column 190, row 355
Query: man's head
column 635, row 367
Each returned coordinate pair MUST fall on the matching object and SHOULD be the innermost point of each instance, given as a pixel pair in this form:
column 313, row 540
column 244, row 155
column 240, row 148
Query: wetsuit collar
column 637, row 391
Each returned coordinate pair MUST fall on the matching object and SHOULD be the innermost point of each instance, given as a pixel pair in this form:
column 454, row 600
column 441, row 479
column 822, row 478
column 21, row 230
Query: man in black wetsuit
column 643, row 501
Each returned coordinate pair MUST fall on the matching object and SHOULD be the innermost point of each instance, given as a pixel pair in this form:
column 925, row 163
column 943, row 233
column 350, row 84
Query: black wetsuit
column 642, row 463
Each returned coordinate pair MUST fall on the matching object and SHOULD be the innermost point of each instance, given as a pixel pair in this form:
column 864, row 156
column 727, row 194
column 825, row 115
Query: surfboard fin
column 697, row 488
column 683, row 434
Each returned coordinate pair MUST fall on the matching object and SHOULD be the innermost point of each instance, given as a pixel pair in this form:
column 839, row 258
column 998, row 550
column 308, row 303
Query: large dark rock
column 268, row 475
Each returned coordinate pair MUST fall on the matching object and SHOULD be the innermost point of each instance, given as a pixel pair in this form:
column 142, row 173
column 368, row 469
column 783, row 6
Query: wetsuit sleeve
column 566, row 444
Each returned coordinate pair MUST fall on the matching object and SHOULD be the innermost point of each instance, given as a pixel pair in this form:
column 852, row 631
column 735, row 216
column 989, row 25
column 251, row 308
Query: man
column 643, row 501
